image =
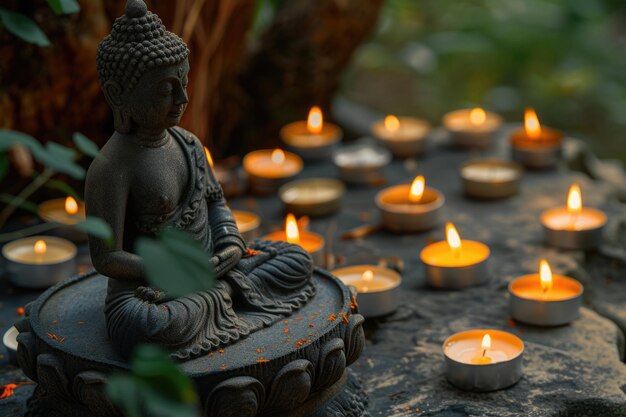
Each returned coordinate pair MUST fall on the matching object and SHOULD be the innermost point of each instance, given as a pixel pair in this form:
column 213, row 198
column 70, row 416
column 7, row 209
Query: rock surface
column 569, row 371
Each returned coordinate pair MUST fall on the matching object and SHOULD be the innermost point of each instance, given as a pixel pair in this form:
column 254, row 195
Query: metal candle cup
column 267, row 170
column 445, row 270
column 314, row 197
column 405, row 139
column 26, row 268
column 555, row 307
column 309, row 145
column 362, row 163
column 377, row 296
column 54, row 211
column 491, row 178
column 540, row 153
column 465, row 369
column 471, row 128
column 400, row 215
column 309, row 241
column 10, row 343
column 248, row 224
column 567, row 231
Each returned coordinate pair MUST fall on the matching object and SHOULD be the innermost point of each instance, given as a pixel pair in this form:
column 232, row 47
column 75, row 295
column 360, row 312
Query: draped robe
column 260, row 290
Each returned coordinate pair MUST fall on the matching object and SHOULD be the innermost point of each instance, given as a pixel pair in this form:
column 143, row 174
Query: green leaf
column 61, row 158
column 95, row 226
column 23, row 27
column 155, row 387
column 9, row 137
column 64, row 6
column 176, row 263
column 85, row 145
column 53, row 155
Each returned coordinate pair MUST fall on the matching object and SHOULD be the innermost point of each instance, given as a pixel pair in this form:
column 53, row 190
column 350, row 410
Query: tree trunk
column 239, row 98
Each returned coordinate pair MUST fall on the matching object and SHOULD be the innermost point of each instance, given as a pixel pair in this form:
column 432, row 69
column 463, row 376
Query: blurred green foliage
column 566, row 58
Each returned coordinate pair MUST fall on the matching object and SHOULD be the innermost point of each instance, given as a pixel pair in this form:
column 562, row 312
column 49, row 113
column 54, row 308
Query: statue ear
column 121, row 118
column 113, row 93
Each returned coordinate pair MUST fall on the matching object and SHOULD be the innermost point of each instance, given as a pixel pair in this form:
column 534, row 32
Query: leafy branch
column 178, row 265
column 26, row 29
column 56, row 159
column 153, row 387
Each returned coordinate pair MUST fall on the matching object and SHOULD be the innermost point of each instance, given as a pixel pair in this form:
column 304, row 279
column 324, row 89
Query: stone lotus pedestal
column 64, row 347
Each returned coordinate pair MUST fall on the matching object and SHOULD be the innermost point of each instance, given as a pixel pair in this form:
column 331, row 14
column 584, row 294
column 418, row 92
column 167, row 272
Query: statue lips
column 175, row 114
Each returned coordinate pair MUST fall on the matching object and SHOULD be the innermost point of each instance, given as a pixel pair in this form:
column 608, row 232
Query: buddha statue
column 153, row 176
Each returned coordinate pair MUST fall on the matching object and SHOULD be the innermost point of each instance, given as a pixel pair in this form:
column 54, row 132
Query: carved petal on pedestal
column 291, row 386
column 332, row 364
column 27, row 354
column 354, row 338
column 236, row 397
column 51, row 374
column 89, row 389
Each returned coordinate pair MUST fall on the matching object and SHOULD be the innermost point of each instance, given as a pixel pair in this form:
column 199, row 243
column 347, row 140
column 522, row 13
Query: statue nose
column 181, row 96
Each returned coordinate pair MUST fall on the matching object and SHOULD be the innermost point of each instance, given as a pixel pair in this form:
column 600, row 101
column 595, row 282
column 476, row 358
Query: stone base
column 298, row 372
column 349, row 400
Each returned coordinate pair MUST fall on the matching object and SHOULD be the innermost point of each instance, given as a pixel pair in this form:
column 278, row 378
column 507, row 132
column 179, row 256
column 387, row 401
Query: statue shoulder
column 188, row 136
column 112, row 164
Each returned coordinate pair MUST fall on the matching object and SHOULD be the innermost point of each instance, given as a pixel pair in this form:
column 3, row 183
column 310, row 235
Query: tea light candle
column 269, row 169
column 483, row 360
column 544, row 299
column 309, row 241
column 9, row 340
column 410, row 208
column 248, row 224
column 473, row 128
column 491, row 178
column 39, row 261
column 377, row 288
column 362, row 163
column 536, row 146
column 66, row 212
column 403, row 136
column 312, row 197
column 313, row 138
column 456, row 263
column 573, row 226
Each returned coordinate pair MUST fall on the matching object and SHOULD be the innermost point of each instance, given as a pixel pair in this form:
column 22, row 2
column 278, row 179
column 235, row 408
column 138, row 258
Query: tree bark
column 239, row 96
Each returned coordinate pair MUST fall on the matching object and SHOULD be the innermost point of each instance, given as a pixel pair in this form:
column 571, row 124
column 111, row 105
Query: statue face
column 159, row 99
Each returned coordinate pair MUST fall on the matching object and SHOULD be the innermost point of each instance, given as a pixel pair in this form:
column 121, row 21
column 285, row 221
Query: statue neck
column 151, row 138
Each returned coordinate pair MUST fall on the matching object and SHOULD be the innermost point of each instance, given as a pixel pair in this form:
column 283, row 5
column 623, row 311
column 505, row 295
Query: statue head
column 143, row 71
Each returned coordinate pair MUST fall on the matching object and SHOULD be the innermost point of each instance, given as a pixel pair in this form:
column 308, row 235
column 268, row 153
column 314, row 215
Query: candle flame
column 315, row 121
column 40, row 247
column 291, row 229
column 486, row 343
column 574, row 199
column 71, row 206
column 368, row 276
column 417, row 189
column 392, row 123
column 477, row 116
column 545, row 275
column 208, row 156
column 531, row 124
column 453, row 238
column 278, row 156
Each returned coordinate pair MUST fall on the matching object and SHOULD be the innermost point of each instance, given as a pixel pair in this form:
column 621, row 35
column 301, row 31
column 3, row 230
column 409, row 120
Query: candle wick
column 484, row 352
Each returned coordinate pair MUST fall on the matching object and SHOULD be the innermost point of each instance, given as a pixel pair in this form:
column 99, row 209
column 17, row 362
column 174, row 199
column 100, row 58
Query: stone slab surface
column 570, row 371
